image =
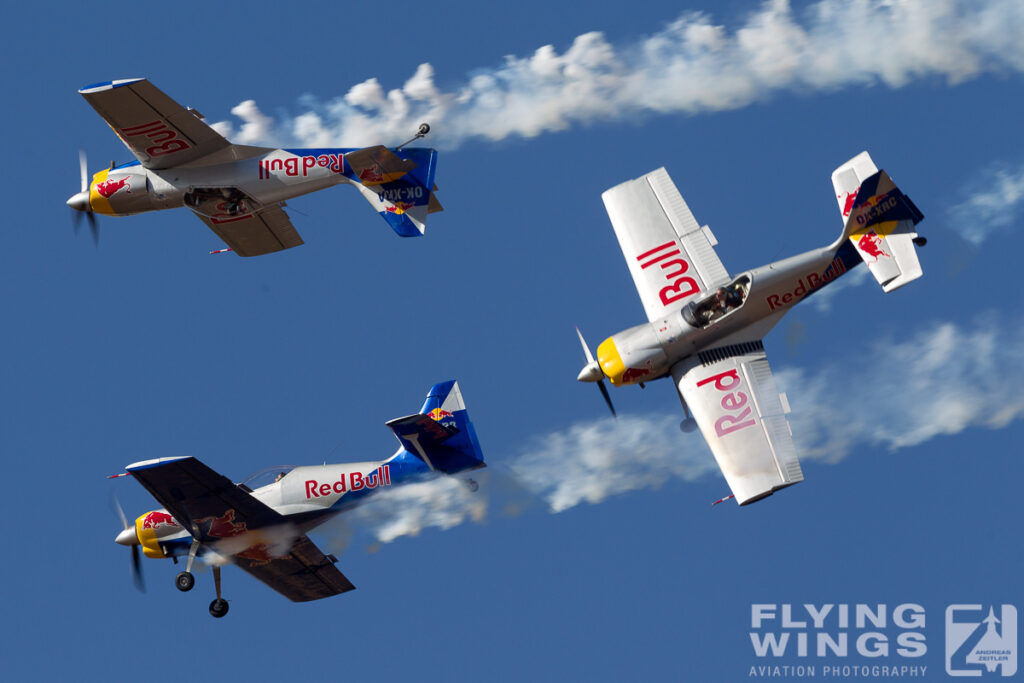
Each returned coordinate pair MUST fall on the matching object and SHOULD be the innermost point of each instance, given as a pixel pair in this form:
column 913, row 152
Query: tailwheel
column 219, row 607
column 184, row 581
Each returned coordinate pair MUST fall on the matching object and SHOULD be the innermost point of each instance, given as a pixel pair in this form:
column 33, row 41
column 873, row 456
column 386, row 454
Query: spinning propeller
column 130, row 538
column 592, row 372
column 79, row 203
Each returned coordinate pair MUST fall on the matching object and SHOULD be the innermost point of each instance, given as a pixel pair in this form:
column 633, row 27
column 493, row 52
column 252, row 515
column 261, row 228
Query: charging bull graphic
column 109, row 187
column 871, row 244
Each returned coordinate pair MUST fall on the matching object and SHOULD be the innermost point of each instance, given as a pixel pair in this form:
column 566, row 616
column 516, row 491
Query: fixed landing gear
column 472, row 485
column 184, row 581
column 218, row 607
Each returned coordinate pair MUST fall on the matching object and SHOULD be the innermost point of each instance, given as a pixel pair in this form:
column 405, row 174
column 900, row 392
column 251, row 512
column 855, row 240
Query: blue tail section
column 399, row 183
column 441, row 434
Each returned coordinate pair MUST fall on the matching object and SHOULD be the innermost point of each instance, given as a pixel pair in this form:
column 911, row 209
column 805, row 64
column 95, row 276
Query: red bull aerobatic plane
column 260, row 524
column 238, row 191
column 706, row 327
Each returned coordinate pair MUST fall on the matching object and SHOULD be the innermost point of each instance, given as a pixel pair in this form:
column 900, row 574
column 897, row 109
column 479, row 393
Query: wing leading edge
column 159, row 132
column 733, row 398
column 235, row 524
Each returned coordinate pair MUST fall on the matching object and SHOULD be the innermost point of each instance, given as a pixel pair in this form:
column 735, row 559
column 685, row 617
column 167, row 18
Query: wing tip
column 108, row 85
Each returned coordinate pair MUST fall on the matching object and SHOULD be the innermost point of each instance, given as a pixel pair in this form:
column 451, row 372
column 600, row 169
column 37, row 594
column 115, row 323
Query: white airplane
column 238, row 191
column 706, row 327
column 260, row 524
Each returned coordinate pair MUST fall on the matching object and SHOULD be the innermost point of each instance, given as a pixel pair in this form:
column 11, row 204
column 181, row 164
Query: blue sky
column 906, row 406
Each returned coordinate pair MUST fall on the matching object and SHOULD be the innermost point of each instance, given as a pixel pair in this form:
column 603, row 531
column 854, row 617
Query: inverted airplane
column 706, row 327
column 238, row 191
column 260, row 524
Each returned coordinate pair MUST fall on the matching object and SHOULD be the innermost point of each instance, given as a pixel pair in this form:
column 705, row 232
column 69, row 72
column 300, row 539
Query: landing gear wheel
column 472, row 485
column 184, row 581
column 218, row 608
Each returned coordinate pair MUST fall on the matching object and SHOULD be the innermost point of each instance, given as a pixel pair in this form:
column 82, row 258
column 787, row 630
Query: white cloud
column 995, row 201
column 692, row 65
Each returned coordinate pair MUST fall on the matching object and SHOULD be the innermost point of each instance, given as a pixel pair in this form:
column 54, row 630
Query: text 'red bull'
column 805, row 287
column 300, row 166
column 734, row 402
column 356, row 481
column 680, row 286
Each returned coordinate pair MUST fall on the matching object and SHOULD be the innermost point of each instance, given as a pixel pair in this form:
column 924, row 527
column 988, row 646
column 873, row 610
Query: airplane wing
column 732, row 395
column 159, row 131
column 253, row 234
column 670, row 256
column 235, row 524
column 304, row 574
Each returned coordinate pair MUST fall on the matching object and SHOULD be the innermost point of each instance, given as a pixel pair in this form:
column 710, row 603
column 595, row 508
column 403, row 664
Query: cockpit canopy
column 718, row 304
column 268, row 475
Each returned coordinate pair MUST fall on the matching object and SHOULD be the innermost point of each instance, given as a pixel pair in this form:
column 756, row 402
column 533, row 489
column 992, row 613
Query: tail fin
column 880, row 221
column 441, row 434
column 398, row 183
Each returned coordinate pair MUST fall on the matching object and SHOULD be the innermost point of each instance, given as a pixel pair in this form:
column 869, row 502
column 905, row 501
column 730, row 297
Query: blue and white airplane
column 260, row 524
column 238, row 191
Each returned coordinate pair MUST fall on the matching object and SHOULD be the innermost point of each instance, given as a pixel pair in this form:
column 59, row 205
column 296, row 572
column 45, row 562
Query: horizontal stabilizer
column 397, row 184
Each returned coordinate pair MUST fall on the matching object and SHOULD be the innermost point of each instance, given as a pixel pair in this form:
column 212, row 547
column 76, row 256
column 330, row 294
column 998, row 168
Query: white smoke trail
column 692, row 65
column 942, row 380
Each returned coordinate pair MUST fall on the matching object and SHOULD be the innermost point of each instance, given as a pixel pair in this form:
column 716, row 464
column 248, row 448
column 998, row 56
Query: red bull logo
column 108, row 188
column 871, row 244
column 355, row 481
column 223, row 526
column 738, row 414
column 164, row 139
column 437, row 414
column 806, row 285
column 374, row 174
column 399, row 208
column 155, row 519
column 848, row 205
column 632, row 374
column 679, row 286
column 295, row 166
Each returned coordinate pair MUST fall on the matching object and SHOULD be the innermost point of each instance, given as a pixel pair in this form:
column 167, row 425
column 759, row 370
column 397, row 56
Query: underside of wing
column 733, row 398
column 301, row 574
column 247, row 229
column 160, row 132
column 670, row 256
column 205, row 502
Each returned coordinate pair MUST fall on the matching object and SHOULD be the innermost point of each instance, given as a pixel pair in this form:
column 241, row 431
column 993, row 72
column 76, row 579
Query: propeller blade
column 137, row 570
column 586, row 349
column 607, row 398
column 116, row 504
column 76, row 220
column 94, row 228
column 83, row 165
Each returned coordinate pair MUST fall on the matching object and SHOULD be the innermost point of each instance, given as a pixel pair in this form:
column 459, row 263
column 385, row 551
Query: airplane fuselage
column 648, row 351
column 265, row 175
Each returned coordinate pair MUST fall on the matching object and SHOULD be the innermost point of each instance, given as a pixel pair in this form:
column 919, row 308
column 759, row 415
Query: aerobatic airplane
column 260, row 524
column 238, row 191
column 706, row 327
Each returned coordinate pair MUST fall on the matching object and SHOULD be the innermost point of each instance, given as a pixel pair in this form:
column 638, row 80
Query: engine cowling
column 121, row 191
column 151, row 528
column 632, row 356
